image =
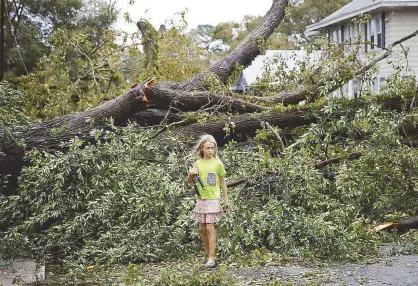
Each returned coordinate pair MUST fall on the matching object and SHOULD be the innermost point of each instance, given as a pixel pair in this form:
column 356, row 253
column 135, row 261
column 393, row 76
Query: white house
column 390, row 20
column 292, row 59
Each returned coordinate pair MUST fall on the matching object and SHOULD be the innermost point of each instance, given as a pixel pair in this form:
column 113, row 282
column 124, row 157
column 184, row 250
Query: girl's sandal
column 211, row 265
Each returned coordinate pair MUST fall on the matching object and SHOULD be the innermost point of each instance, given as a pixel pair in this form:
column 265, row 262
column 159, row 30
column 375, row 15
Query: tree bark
column 288, row 97
column 42, row 135
column 149, row 38
column 153, row 117
column 48, row 135
column 245, row 124
column 191, row 101
column 242, row 55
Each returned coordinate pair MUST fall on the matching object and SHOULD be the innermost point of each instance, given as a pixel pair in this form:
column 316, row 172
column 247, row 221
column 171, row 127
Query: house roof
column 240, row 84
column 355, row 8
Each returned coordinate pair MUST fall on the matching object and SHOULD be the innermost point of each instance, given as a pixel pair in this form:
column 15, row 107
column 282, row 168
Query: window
column 375, row 85
column 372, row 25
column 355, row 88
column 379, row 32
column 383, row 29
column 350, row 34
column 357, row 32
column 381, row 83
column 336, row 35
column 406, row 77
column 366, row 38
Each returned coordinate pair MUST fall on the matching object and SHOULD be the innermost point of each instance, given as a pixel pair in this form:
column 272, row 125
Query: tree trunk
column 191, row 101
column 149, row 38
column 245, row 124
column 49, row 135
column 242, row 55
column 153, row 117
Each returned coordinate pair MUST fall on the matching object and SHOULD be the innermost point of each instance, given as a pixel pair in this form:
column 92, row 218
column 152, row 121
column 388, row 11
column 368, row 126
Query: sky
column 199, row 12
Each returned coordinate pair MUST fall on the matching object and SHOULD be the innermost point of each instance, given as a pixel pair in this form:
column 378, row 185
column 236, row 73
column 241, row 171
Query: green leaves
column 78, row 74
column 11, row 112
column 125, row 199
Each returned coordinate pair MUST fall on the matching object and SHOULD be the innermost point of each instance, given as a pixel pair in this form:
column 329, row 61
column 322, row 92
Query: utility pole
column 2, row 59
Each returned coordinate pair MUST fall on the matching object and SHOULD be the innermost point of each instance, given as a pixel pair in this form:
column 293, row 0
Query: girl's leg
column 203, row 231
column 210, row 229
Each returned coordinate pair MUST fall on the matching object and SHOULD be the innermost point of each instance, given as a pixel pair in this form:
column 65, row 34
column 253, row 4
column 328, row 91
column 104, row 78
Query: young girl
column 208, row 209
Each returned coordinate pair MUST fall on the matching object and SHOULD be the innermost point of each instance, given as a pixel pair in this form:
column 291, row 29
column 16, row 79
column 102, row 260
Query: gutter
column 385, row 4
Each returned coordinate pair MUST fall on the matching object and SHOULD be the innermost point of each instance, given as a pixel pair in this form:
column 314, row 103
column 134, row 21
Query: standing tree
column 304, row 13
column 30, row 25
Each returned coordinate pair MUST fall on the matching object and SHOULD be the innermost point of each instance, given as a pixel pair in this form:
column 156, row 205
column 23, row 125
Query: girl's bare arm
column 224, row 190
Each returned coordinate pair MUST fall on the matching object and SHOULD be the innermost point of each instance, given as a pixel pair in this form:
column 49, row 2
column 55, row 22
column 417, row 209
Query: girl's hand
column 193, row 171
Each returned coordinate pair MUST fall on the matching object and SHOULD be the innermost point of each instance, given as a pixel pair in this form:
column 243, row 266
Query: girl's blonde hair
column 197, row 149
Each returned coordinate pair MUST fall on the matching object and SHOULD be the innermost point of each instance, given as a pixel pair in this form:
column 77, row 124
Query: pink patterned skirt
column 208, row 211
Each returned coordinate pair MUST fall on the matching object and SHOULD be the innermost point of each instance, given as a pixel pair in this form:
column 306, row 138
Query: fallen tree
column 120, row 196
column 191, row 95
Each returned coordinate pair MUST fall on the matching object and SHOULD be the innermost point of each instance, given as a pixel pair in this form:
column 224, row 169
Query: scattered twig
column 275, row 133
column 241, row 188
column 237, row 182
column 325, row 163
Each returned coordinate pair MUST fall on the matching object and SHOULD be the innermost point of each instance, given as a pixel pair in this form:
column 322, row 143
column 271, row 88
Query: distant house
column 390, row 20
column 248, row 77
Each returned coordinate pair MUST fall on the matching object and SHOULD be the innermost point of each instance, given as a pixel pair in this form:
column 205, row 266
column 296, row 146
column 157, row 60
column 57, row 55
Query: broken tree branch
column 49, row 135
column 294, row 97
column 336, row 160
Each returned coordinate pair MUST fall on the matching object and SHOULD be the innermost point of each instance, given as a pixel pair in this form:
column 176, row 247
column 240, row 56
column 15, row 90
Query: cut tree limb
column 287, row 97
column 48, row 135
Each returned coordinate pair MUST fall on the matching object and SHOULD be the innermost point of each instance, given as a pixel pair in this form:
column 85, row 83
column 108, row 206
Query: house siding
column 401, row 23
